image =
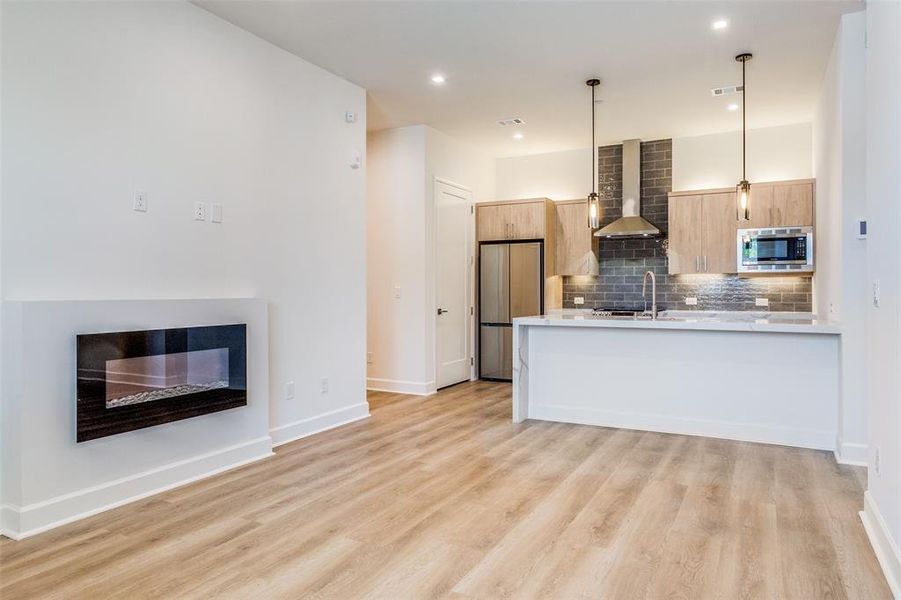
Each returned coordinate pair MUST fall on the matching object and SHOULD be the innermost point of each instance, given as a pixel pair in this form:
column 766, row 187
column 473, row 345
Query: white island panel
column 756, row 386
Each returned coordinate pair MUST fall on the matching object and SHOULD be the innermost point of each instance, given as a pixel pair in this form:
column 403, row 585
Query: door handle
column 441, row 311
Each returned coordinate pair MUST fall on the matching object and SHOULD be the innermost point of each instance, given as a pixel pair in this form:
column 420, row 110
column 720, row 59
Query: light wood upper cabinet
column 719, row 252
column 792, row 205
column 686, row 244
column 519, row 220
column 703, row 225
column 788, row 204
column 575, row 255
column 702, row 230
column 493, row 222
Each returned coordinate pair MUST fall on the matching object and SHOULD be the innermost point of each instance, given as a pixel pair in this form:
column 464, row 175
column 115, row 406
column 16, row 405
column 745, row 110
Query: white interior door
column 453, row 283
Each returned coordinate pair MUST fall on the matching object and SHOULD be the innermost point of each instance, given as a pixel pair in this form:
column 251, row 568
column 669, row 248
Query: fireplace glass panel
column 149, row 378
column 129, row 380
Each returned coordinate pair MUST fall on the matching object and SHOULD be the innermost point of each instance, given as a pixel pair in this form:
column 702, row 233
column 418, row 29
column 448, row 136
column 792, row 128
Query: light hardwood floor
column 444, row 497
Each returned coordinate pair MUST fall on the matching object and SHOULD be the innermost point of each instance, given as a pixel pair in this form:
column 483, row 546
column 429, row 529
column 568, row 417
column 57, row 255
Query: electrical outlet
column 289, row 390
column 765, row 302
column 876, row 461
column 199, row 211
column 216, row 212
column 323, row 385
column 140, row 201
column 369, row 358
column 578, row 300
column 691, row 301
column 397, row 292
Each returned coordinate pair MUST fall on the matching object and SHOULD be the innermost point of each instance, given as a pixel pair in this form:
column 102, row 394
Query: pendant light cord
column 744, row 92
column 594, row 162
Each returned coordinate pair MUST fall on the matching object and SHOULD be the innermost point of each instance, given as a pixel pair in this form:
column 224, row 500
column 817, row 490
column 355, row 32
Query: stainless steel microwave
column 775, row 250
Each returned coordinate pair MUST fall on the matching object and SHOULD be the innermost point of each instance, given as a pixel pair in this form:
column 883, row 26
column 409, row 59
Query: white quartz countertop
column 691, row 320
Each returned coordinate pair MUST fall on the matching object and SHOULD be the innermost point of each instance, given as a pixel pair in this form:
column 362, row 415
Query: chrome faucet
column 644, row 290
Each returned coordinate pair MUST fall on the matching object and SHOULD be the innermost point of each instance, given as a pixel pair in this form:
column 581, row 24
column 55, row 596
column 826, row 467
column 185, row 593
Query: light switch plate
column 216, row 212
column 289, row 390
column 323, row 385
column 691, row 301
column 761, row 301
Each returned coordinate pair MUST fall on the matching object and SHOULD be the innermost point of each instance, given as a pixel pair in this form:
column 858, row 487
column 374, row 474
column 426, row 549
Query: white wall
column 883, row 499
column 99, row 100
column 403, row 164
column 396, row 239
column 555, row 175
column 714, row 161
column 702, row 162
column 840, row 289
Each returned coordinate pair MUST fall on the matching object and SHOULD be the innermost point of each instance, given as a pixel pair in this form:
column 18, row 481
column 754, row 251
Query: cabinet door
column 526, row 220
column 686, row 227
column 574, row 239
column 493, row 222
column 719, row 229
column 762, row 197
column 793, row 205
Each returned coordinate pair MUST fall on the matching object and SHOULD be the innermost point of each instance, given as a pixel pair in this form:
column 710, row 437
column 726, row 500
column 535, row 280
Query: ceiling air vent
column 726, row 91
column 511, row 121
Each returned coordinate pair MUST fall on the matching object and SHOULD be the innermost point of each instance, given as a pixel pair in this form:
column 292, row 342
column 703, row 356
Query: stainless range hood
column 631, row 224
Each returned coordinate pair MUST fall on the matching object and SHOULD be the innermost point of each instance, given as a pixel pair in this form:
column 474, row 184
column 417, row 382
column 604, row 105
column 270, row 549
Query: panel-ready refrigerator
column 511, row 284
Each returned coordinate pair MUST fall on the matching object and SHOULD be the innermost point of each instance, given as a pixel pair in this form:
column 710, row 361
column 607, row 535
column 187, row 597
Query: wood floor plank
column 444, row 497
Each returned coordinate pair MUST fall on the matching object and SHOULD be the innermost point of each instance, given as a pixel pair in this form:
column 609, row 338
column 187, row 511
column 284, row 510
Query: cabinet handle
column 705, row 263
column 697, row 264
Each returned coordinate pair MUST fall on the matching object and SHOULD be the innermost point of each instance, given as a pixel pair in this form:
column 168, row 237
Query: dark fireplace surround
column 135, row 379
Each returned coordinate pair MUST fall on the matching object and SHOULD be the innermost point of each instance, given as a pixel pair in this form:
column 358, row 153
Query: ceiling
column 656, row 60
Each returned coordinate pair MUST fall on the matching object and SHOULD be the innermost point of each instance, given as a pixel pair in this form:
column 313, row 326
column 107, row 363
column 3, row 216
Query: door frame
column 470, row 341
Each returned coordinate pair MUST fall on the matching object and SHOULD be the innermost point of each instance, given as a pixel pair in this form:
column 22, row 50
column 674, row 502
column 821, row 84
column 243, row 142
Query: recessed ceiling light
column 732, row 107
column 719, row 24
column 517, row 136
column 438, row 79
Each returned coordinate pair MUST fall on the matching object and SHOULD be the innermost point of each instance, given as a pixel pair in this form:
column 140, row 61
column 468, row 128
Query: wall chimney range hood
column 631, row 224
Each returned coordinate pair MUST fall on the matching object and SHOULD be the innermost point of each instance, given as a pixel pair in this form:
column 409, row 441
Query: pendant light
column 743, row 189
column 594, row 204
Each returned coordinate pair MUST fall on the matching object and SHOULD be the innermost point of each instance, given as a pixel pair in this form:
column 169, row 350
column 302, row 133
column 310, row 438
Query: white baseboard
column 851, row 454
column 884, row 546
column 19, row 522
column 746, row 432
column 306, row 427
column 414, row 388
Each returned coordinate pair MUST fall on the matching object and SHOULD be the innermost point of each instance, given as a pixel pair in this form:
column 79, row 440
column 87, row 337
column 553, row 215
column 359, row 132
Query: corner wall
column 840, row 291
column 403, row 165
column 882, row 513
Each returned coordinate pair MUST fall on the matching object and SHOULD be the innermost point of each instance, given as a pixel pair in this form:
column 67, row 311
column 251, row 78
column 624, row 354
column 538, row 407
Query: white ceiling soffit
column 657, row 62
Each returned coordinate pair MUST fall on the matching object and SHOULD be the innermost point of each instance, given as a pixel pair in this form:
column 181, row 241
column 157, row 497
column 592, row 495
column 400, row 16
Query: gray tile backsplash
column 623, row 262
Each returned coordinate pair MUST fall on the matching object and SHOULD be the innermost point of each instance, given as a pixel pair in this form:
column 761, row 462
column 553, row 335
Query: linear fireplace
column 134, row 379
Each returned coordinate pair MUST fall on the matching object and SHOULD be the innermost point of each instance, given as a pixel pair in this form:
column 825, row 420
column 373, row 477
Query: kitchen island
column 770, row 378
